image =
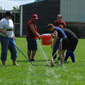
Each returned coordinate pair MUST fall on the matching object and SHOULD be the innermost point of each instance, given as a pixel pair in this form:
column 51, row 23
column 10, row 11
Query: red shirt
column 29, row 32
column 61, row 23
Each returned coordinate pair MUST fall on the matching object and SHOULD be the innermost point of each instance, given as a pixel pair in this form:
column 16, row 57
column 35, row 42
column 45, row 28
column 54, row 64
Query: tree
column 15, row 8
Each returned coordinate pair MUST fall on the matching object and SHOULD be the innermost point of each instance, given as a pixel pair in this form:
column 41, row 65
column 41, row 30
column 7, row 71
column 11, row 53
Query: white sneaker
column 61, row 64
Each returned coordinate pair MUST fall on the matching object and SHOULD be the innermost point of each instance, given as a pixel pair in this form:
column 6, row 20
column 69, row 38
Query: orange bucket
column 46, row 39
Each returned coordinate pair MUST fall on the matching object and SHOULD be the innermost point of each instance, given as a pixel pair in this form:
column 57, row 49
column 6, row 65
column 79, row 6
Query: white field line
column 43, row 53
column 51, row 71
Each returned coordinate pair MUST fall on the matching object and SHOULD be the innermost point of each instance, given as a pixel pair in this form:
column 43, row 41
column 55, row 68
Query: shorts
column 66, row 43
column 72, row 44
column 31, row 44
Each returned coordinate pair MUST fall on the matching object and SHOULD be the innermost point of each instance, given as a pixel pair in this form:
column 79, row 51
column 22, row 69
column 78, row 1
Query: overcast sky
column 8, row 4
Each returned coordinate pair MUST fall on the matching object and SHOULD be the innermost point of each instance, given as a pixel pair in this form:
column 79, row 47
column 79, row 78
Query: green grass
column 43, row 73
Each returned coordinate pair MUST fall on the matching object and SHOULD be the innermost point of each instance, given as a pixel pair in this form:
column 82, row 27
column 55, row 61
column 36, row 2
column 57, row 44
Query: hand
column 52, row 34
column 6, row 35
column 14, row 38
column 51, row 46
column 40, row 37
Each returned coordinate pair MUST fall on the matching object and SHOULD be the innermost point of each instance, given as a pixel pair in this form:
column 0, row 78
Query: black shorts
column 31, row 44
column 63, row 43
column 72, row 44
column 66, row 43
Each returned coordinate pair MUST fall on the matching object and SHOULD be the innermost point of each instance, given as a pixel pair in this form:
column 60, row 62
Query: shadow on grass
column 42, row 60
column 67, row 62
column 22, row 61
column 32, row 61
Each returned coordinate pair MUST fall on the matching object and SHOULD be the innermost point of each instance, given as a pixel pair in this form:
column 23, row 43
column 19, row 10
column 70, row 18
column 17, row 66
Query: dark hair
column 49, row 26
column 8, row 13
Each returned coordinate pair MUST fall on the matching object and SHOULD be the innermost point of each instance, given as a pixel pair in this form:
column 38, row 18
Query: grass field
column 43, row 73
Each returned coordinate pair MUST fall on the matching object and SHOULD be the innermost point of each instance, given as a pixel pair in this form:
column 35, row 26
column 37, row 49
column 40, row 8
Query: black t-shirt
column 70, row 34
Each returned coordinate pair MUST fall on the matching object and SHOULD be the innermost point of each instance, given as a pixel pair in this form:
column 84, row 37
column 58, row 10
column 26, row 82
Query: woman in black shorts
column 69, row 43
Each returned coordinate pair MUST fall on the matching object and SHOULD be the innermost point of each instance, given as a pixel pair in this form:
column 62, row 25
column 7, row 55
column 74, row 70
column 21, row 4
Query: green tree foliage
column 15, row 8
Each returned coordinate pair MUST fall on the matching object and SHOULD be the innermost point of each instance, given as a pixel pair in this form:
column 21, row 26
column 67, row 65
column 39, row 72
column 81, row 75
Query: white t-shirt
column 6, row 24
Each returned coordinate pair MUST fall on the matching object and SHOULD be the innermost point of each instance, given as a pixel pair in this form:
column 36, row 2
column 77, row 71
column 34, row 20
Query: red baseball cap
column 35, row 16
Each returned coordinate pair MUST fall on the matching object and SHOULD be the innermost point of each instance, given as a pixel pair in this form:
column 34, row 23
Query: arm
column 64, row 24
column 54, row 23
column 61, row 26
column 55, row 38
column 2, row 31
column 13, row 35
column 34, row 32
column 1, row 28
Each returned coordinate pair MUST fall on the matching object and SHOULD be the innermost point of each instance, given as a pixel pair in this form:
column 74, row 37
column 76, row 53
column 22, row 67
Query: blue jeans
column 0, row 38
column 55, row 48
column 71, row 54
column 8, row 43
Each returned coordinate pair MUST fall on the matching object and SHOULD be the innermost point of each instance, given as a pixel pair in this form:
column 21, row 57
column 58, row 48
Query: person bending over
column 58, row 33
column 68, row 43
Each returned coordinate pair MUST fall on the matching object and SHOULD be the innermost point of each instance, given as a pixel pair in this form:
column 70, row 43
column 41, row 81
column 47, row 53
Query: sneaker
column 52, row 63
column 61, row 64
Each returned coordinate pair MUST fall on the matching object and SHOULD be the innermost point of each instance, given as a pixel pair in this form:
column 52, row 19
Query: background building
column 72, row 11
column 47, row 11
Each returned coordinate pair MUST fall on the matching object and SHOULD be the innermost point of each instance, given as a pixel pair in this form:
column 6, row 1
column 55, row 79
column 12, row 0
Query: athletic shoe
column 52, row 63
column 61, row 64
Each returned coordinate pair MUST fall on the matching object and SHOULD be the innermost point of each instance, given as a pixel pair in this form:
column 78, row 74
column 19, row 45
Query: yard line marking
column 51, row 71
column 43, row 52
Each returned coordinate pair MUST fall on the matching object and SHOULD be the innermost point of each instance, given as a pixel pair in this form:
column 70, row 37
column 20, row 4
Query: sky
column 8, row 4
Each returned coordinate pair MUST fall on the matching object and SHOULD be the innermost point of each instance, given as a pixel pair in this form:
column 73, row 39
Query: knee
column 59, row 52
column 4, row 52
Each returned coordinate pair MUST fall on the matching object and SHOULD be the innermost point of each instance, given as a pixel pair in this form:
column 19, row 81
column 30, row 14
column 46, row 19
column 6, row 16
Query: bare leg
column 3, row 63
column 14, row 62
column 33, row 54
column 64, row 55
column 61, row 54
column 29, row 54
column 52, row 63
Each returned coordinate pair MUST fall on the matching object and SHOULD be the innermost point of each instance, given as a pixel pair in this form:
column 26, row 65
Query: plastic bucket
column 46, row 39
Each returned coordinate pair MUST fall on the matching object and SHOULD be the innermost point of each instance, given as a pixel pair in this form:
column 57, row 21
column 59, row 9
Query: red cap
column 35, row 16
